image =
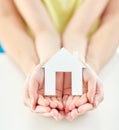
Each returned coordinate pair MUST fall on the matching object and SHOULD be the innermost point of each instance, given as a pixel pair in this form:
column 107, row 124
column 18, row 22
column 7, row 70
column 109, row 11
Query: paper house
column 63, row 61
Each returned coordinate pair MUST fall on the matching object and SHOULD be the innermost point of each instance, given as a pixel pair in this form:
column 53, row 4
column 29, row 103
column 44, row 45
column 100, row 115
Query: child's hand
column 34, row 94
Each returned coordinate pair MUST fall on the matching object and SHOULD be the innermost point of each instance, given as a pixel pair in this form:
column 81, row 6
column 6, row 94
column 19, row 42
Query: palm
column 93, row 86
column 74, row 105
column 67, row 85
column 35, row 98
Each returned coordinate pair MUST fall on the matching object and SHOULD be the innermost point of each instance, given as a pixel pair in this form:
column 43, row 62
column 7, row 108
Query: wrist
column 75, row 42
column 94, row 64
column 47, row 32
column 44, row 36
column 47, row 44
column 28, row 64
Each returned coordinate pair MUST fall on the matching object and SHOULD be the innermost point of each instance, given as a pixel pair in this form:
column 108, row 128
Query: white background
column 14, row 116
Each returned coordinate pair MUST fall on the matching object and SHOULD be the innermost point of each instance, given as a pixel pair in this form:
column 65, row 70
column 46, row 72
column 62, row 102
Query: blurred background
column 1, row 48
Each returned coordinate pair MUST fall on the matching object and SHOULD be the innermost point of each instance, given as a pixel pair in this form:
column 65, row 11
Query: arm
column 17, row 43
column 47, row 41
column 75, row 35
column 35, row 14
column 46, row 35
column 75, row 39
column 106, row 40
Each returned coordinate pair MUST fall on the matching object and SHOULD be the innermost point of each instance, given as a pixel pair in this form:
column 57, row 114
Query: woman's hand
column 74, row 42
column 74, row 105
column 34, row 95
column 93, row 86
column 91, row 97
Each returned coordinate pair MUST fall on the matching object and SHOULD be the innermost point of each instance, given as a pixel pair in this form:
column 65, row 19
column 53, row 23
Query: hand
column 47, row 44
column 93, row 86
column 74, row 105
column 34, row 94
column 92, row 94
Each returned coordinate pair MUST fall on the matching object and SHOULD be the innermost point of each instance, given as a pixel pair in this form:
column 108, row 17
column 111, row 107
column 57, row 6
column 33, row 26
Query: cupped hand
column 34, row 94
column 74, row 105
column 91, row 97
column 93, row 86
column 63, row 104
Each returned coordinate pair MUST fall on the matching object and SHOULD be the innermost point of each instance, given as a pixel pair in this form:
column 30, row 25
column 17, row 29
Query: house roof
column 63, row 59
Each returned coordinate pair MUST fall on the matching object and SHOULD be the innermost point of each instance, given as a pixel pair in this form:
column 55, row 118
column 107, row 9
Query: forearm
column 35, row 15
column 75, row 34
column 47, row 39
column 103, row 44
column 76, row 43
column 47, row 45
column 105, row 41
column 86, row 15
column 16, row 42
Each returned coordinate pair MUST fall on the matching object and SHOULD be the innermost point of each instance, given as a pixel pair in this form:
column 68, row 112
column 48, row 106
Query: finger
column 73, row 103
column 62, row 113
column 74, row 114
column 67, row 84
column 26, row 99
column 35, row 83
column 82, row 100
column 33, row 88
column 68, row 102
column 65, row 97
column 91, row 90
column 84, row 108
column 59, row 83
column 46, row 114
column 42, row 109
column 59, row 104
column 42, row 101
column 59, row 99
column 53, row 113
column 80, row 111
column 27, row 103
column 56, row 115
column 26, row 93
column 51, row 103
column 99, row 94
column 68, row 116
column 98, row 99
column 85, row 87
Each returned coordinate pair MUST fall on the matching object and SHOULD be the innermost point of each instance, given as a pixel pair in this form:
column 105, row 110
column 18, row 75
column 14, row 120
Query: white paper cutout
column 63, row 61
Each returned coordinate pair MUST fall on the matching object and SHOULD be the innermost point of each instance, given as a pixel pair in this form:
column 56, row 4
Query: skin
column 34, row 95
column 95, row 57
column 76, row 32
